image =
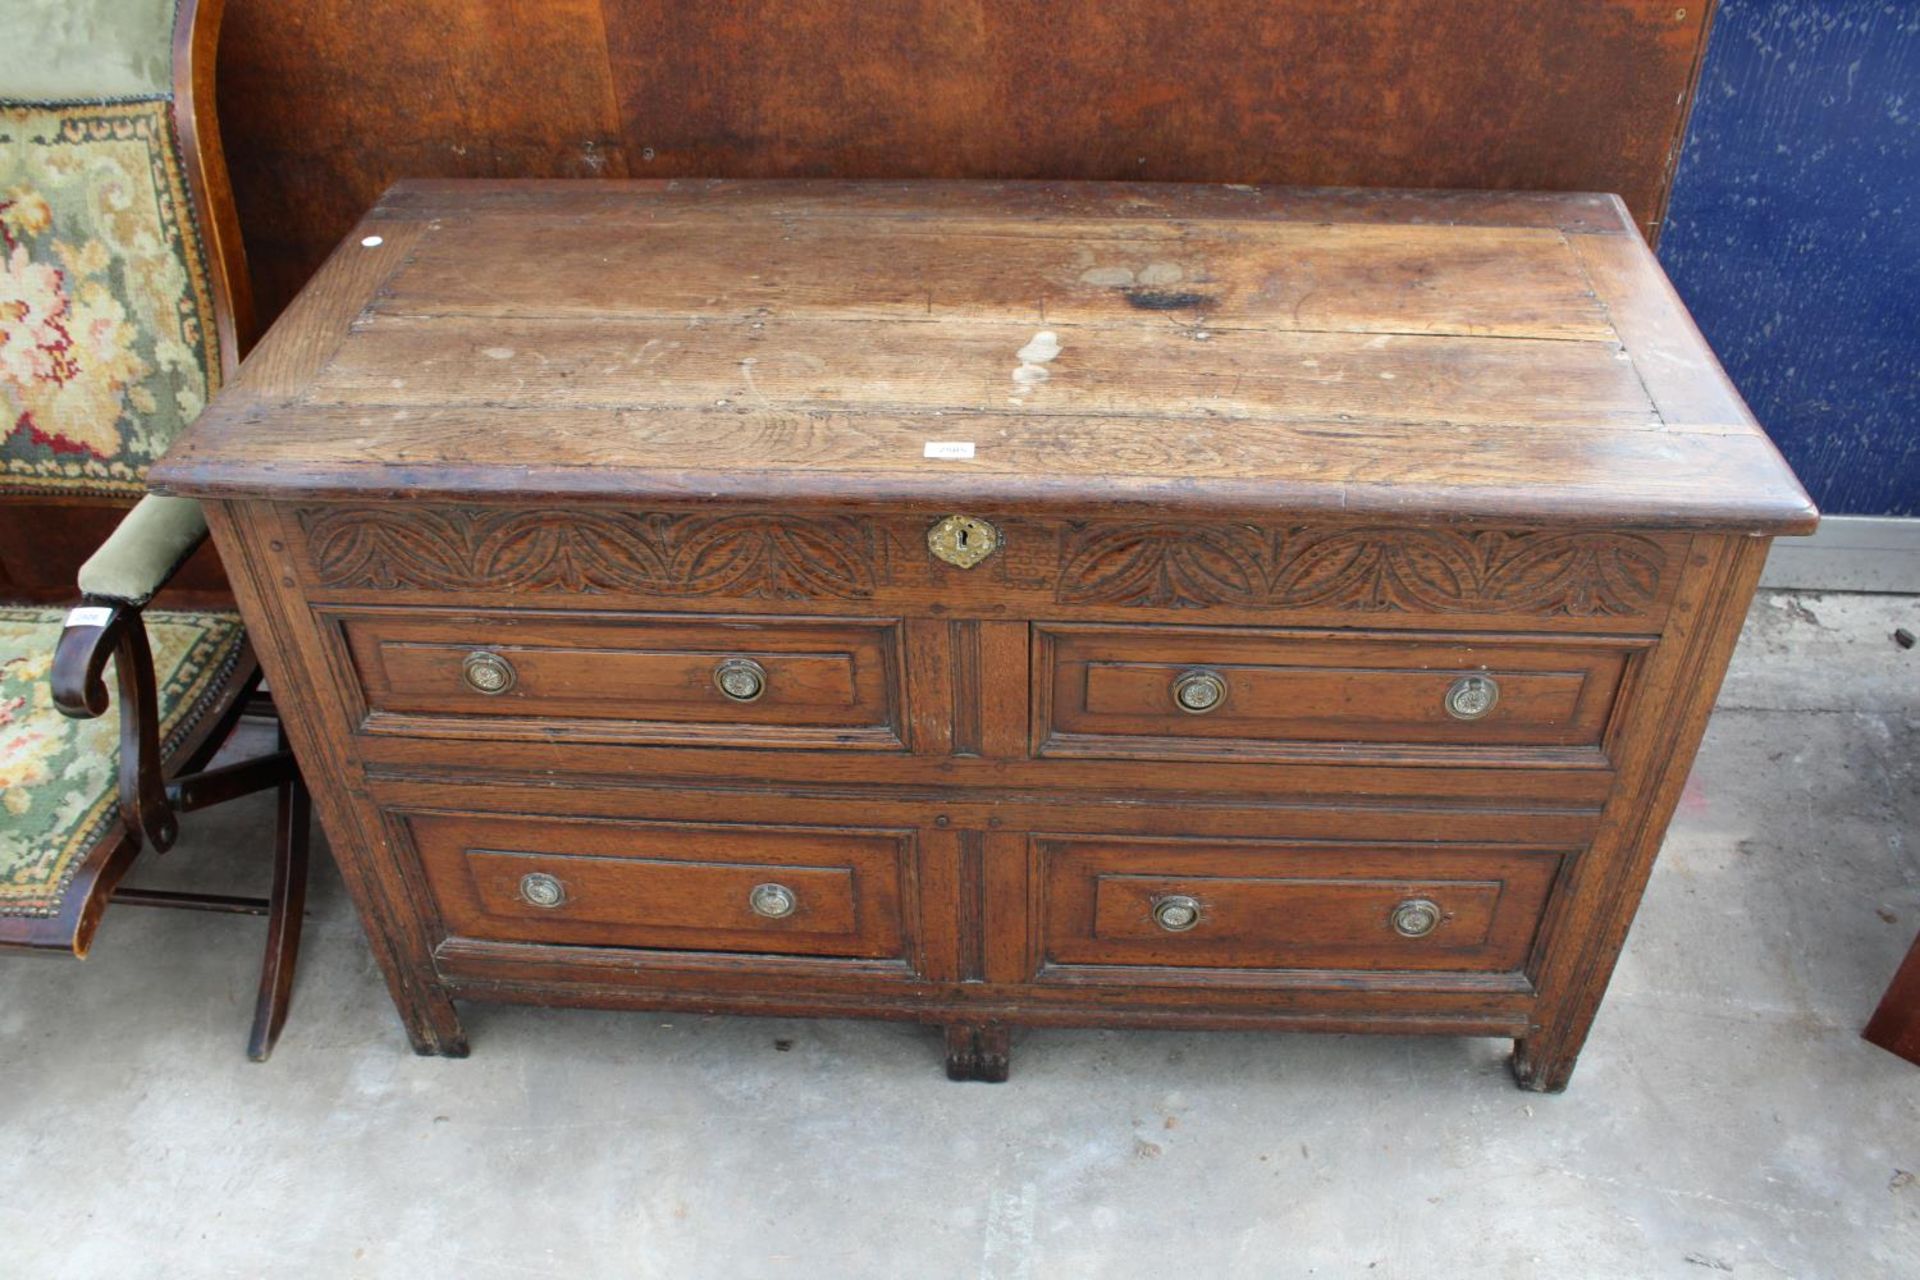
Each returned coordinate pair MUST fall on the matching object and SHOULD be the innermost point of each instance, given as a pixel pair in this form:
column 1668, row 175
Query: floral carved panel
column 1173, row 566
column 1148, row 564
column 765, row 556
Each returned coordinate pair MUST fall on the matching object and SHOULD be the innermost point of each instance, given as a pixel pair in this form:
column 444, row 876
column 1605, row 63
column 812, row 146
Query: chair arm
column 80, row 657
column 142, row 552
column 96, row 631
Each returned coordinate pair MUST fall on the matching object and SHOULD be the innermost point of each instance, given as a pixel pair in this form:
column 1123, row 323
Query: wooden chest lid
column 998, row 347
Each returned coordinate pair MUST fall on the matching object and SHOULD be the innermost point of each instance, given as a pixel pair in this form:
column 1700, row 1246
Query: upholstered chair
column 123, row 306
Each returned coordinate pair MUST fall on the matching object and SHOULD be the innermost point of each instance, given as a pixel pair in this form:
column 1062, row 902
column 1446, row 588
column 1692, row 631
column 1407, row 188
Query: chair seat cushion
column 59, row 777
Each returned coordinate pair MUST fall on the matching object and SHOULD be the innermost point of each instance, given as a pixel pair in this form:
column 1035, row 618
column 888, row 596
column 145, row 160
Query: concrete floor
column 1726, row 1118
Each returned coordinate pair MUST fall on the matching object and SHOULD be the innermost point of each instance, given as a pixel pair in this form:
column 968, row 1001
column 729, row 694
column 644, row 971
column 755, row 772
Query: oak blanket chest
column 994, row 604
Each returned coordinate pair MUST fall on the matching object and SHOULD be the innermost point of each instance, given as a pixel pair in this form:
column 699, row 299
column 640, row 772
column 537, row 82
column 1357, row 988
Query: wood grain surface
column 326, row 102
column 1233, row 351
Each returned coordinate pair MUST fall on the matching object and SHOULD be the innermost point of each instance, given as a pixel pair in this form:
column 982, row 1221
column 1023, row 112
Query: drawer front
column 749, row 682
column 1272, row 905
column 676, row 886
column 1219, row 693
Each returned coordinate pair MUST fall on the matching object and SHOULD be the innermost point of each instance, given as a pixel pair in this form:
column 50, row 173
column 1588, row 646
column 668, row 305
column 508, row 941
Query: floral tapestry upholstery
column 107, row 341
column 58, row 777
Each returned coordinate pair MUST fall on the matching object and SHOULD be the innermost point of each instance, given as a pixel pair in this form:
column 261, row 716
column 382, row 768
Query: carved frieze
column 1145, row 564
column 767, row 556
column 1367, row 569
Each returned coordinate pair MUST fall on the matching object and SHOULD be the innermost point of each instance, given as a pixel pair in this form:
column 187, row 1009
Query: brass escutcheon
column 963, row 541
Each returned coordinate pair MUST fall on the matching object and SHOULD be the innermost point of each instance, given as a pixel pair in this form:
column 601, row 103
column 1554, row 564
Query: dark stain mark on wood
column 1166, row 300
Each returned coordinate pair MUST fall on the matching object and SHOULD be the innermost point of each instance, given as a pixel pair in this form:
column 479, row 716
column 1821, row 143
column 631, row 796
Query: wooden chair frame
column 154, row 791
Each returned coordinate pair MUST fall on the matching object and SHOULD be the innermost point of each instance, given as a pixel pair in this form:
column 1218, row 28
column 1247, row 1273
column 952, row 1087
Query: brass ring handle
column 1471, row 697
column 539, row 889
column 1416, row 918
column 1199, row 691
column 774, row 901
column 1176, row 913
column 488, row 673
column 740, row 679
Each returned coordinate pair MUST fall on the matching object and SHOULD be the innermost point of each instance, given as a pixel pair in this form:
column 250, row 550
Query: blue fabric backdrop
column 1794, row 235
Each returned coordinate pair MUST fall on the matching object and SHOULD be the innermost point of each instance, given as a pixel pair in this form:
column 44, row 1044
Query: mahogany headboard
column 324, row 102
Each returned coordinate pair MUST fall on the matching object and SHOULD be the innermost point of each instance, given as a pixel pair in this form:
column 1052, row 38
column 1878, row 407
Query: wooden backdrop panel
column 325, row 102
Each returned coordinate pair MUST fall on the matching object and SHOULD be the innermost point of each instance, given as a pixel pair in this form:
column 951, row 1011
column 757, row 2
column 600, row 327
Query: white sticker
column 89, row 615
column 371, row 242
column 949, row 449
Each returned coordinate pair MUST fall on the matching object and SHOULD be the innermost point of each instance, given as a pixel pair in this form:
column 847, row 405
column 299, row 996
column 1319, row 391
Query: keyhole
column 962, row 541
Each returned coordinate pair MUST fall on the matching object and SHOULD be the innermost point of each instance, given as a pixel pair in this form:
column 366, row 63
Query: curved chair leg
column 285, row 909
